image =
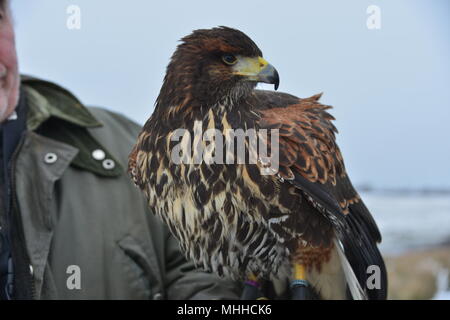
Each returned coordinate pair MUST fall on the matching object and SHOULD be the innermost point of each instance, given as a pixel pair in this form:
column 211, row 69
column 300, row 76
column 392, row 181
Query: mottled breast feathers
column 311, row 198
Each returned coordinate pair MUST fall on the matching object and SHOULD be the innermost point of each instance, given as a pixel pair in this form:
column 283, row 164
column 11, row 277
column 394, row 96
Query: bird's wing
column 310, row 159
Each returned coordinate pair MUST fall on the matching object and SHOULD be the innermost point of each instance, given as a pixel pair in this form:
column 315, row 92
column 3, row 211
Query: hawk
column 300, row 220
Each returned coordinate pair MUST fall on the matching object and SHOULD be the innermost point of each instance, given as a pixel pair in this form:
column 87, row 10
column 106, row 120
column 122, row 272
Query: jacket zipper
column 18, row 219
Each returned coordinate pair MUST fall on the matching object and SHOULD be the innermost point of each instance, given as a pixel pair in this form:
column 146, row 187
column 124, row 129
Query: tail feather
column 359, row 246
column 353, row 284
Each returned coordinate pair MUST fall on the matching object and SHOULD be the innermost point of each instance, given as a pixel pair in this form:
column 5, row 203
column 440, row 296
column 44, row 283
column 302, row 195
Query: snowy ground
column 410, row 222
column 443, row 292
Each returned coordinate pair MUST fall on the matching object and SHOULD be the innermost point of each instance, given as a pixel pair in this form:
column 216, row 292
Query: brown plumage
column 230, row 218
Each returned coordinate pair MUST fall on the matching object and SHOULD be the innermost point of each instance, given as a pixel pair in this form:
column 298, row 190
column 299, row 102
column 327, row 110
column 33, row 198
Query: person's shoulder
column 115, row 121
column 118, row 133
column 62, row 103
column 110, row 130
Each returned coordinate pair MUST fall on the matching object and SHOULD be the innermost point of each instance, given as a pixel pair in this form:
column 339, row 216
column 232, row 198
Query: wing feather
column 310, row 160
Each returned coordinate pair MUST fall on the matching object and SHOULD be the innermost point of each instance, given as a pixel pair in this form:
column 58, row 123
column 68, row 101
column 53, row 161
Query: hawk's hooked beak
column 257, row 69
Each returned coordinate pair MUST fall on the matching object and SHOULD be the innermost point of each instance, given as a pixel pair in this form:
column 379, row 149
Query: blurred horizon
column 389, row 87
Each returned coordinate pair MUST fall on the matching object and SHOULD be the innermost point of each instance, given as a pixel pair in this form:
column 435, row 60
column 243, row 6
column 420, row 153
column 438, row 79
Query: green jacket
column 78, row 213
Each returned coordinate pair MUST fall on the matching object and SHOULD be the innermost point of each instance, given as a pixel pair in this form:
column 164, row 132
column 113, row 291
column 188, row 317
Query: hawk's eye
column 229, row 59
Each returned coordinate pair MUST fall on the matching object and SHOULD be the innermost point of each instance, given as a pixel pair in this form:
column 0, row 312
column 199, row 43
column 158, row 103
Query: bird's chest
column 194, row 170
column 200, row 173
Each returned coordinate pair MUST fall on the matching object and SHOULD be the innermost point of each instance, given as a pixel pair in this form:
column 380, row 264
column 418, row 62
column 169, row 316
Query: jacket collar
column 57, row 114
column 46, row 99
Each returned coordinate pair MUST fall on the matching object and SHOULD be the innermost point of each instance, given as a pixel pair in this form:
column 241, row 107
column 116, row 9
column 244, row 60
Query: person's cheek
column 8, row 64
column 10, row 54
column 8, row 57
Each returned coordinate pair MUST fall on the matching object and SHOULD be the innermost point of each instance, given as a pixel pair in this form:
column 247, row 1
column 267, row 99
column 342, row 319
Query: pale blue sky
column 389, row 87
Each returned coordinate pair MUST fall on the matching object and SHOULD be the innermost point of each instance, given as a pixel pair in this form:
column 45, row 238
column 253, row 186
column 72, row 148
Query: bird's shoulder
column 307, row 136
column 309, row 157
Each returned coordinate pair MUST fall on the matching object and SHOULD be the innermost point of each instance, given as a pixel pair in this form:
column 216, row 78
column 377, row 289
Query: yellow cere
column 249, row 66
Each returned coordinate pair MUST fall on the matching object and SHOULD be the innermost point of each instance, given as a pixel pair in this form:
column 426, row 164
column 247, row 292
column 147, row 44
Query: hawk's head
column 211, row 65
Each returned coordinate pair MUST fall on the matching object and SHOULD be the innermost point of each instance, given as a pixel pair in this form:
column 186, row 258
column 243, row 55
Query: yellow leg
column 252, row 277
column 299, row 272
column 252, row 289
column 299, row 286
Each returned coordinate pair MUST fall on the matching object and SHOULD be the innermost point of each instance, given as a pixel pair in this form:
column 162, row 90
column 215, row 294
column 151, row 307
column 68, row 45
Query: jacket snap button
column 50, row 158
column 98, row 154
column 157, row 296
column 108, row 164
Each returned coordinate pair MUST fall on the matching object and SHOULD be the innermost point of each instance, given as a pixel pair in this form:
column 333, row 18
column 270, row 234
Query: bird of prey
column 302, row 221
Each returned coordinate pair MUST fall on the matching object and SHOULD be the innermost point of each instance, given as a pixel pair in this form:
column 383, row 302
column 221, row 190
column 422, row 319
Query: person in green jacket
column 72, row 225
